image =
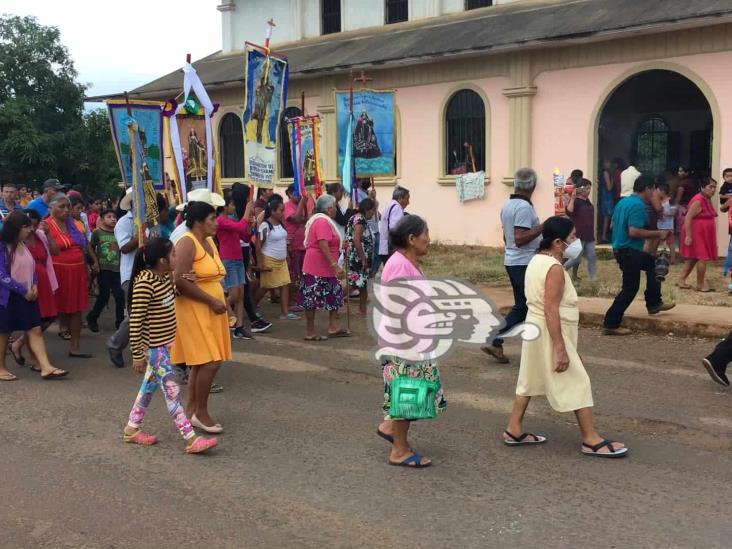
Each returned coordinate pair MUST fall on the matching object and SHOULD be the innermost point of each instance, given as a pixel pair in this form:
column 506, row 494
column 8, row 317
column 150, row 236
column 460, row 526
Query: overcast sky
column 118, row 45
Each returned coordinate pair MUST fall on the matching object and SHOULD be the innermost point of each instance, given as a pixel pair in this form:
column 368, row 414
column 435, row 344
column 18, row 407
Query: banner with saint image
column 148, row 118
column 372, row 131
column 305, row 139
column 264, row 99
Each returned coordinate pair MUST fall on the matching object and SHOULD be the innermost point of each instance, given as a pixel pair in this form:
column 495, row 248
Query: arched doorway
column 656, row 120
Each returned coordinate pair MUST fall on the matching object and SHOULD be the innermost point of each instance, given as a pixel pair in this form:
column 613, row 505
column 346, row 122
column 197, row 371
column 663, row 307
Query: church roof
column 484, row 31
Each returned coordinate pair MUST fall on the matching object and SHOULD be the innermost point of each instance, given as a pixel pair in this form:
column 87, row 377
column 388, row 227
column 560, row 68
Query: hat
column 627, row 180
column 126, row 202
column 203, row 195
column 51, row 184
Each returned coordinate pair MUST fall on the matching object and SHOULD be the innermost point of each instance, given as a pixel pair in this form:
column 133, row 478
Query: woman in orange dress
column 202, row 339
column 72, row 296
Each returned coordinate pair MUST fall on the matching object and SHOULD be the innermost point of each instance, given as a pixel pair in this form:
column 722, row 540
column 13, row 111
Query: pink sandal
column 201, row 444
column 141, row 438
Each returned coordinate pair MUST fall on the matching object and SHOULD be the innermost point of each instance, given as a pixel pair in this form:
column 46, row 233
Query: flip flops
column 65, row 335
column 80, row 355
column 522, row 440
column 315, row 338
column 414, row 461
column 706, row 290
column 594, row 450
column 340, row 333
column 56, row 374
column 8, row 377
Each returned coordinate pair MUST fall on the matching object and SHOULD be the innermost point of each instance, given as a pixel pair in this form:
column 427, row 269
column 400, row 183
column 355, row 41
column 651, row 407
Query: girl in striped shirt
column 152, row 331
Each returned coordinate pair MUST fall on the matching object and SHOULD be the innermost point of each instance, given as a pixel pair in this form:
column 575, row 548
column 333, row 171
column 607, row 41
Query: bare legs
column 400, row 449
column 4, row 372
column 363, row 297
column 701, row 273
column 199, row 386
column 334, row 324
column 75, row 329
column 584, row 417
column 285, row 300
column 38, row 348
column 236, row 303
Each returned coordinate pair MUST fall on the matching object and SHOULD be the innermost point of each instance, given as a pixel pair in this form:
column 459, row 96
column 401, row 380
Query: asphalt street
column 300, row 465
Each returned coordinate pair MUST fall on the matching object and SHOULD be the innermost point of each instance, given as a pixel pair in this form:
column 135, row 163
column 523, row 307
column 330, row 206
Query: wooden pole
column 302, row 103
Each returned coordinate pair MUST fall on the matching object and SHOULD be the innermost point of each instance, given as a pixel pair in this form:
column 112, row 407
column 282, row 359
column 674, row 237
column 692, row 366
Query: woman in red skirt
column 39, row 247
column 699, row 237
column 72, row 296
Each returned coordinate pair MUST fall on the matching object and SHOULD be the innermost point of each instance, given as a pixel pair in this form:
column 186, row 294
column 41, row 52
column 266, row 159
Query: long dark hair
column 10, row 234
column 148, row 258
column 240, row 196
column 273, row 203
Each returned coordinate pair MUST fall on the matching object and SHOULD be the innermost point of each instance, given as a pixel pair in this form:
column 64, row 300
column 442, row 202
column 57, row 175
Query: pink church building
column 541, row 83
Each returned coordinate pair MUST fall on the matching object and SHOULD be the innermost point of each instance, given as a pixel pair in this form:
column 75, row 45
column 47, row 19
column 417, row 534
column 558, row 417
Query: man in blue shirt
column 630, row 220
column 8, row 202
column 522, row 235
column 40, row 204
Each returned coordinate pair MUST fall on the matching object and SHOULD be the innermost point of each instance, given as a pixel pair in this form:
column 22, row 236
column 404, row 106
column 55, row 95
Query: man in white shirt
column 391, row 215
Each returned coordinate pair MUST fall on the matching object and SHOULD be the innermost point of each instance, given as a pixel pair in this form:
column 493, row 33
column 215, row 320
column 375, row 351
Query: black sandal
column 613, row 453
column 521, row 439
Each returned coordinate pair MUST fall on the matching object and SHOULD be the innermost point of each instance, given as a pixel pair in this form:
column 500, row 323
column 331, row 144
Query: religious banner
column 148, row 117
column 191, row 135
column 372, row 131
column 264, row 99
column 144, row 200
column 304, row 134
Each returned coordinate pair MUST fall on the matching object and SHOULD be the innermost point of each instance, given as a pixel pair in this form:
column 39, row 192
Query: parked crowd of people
column 195, row 281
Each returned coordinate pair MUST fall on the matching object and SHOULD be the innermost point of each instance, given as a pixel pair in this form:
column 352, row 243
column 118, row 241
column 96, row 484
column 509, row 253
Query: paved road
column 300, row 465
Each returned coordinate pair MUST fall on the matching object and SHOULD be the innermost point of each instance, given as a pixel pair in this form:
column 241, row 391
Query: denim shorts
column 235, row 275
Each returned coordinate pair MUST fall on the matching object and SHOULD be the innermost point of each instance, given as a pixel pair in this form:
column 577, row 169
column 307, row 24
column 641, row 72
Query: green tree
column 43, row 129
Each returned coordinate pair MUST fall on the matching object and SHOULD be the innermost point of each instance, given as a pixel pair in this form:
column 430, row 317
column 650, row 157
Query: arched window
column 231, row 145
column 652, row 145
column 465, row 133
column 286, row 171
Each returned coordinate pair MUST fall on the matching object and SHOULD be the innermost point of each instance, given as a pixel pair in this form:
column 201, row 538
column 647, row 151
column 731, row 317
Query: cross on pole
column 271, row 26
column 363, row 79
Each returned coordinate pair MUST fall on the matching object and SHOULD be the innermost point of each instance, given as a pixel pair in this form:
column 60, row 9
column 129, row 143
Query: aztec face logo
column 426, row 318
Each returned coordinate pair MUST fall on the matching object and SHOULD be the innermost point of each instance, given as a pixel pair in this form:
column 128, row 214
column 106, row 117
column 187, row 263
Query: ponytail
column 148, row 257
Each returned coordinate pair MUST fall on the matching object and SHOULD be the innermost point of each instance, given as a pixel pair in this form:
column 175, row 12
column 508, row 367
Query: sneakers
column 616, row 331
column 661, row 308
column 92, row 324
column 289, row 316
column 496, row 353
column 259, row 326
column 717, row 374
column 242, row 333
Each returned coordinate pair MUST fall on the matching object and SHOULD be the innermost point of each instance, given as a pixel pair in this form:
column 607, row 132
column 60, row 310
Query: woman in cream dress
column 550, row 365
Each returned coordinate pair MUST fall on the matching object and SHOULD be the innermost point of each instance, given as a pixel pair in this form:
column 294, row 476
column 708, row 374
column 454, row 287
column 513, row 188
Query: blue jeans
column 517, row 314
column 376, row 260
column 588, row 251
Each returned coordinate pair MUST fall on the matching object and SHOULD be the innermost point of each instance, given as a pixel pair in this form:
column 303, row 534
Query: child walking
column 152, row 331
column 105, row 246
column 667, row 217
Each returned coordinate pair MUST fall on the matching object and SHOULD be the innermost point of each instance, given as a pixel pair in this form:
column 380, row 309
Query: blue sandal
column 414, row 461
column 595, row 450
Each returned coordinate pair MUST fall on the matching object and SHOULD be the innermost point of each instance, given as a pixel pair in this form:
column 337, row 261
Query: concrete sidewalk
column 682, row 320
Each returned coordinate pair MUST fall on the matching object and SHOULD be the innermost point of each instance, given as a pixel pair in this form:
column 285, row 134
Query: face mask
column 573, row 250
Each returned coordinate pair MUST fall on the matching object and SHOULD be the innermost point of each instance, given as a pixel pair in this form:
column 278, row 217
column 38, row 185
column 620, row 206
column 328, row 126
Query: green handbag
column 413, row 398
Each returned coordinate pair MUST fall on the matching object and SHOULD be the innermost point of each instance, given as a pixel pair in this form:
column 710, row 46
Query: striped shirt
column 152, row 318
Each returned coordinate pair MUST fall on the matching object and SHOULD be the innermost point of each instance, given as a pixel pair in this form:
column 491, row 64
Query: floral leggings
column 160, row 372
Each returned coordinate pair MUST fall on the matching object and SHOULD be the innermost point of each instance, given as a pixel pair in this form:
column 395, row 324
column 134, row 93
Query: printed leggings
column 160, row 372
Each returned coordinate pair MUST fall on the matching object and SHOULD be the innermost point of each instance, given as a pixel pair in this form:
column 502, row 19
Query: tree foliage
column 44, row 131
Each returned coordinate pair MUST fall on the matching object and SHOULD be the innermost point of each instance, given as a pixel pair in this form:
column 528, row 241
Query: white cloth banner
column 470, row 186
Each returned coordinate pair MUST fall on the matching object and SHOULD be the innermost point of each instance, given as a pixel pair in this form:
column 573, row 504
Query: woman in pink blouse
column 320, row 287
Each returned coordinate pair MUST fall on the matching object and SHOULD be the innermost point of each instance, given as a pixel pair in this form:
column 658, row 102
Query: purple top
column 583, row 217
column 7, row 283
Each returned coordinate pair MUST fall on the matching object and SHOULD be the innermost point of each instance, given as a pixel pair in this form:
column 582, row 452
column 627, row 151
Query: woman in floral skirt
column 320, row 287
column 360, row 251
column 411, row 239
